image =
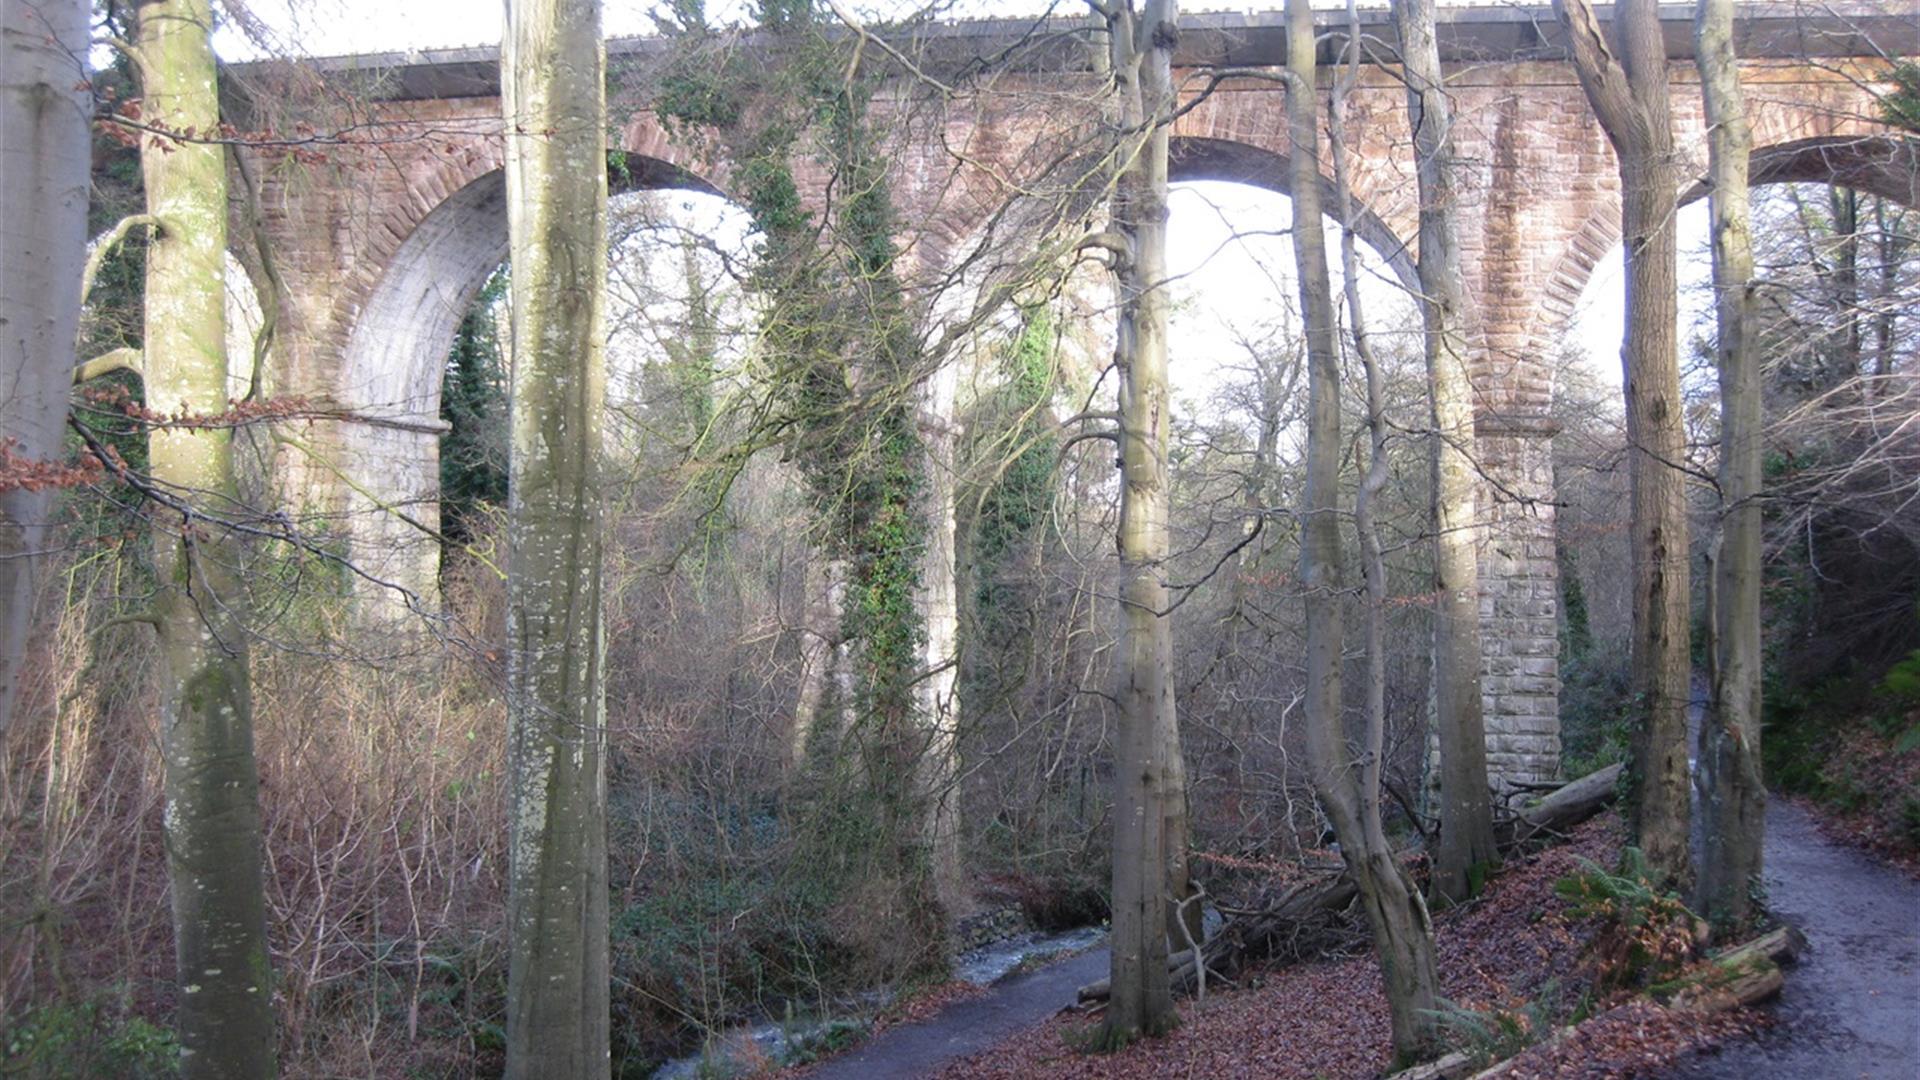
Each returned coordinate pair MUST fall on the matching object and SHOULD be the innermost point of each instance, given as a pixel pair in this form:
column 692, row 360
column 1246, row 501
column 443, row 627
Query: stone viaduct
column 381, row 242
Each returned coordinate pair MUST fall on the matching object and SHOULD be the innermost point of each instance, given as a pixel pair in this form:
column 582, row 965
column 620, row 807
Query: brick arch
column 655, row 160
column 1883, row 165
column 1880, row 164
column 963, row 255
column 1560, row 295
column 429, row 259
column 1206, row 158
column 431, row 184
column 693, row 161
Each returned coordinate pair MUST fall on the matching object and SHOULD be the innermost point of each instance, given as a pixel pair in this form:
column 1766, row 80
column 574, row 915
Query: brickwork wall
column 382, row 244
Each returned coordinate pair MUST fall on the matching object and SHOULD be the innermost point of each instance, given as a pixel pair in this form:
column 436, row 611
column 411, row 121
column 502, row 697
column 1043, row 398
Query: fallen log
column 1306, row 913
column 1560, row 810
column 1451, row 1067
column 1744, row 975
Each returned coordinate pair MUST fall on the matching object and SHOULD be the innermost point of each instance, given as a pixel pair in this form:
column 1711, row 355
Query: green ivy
column 838, row 341
column 473, row 402
column 1015, row 507
column 1900, row 107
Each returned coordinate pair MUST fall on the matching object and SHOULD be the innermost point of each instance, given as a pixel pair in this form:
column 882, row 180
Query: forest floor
column 1849, row 1010
column 1328, row 1018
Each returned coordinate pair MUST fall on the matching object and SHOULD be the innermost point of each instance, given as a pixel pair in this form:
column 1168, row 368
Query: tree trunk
column 1349, row 790
column 206, row 720
column 43, row 231
column 1630, row 97
column 1402, row 932
column 1149, row 815
column 1886, row 311
column 1466, row 811
column 552, row 75
column 1733, row 798
column 1844, row 204
column 823, row 662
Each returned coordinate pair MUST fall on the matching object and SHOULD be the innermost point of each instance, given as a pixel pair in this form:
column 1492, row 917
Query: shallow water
column 988, row 965
column 739, row 1049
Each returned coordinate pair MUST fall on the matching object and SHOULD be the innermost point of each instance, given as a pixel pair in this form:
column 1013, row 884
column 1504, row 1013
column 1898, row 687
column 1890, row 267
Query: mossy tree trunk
column 43, row 233
column 553, row 89
column 1149, row 813
column 212, row 816
column 1629, row 95
column 1733, row 799
column 1466, row 812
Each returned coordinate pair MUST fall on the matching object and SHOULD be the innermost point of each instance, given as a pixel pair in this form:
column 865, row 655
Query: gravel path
column 1851, row 1007
column 968, row 1027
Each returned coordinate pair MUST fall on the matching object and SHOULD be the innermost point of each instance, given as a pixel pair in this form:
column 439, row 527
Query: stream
column 1009, row 966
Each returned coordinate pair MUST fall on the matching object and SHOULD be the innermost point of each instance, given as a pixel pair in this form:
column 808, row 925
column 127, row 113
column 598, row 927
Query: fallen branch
column 1566, row 807
column 1745, row 975
column 1306, row 915
column 1740, row 976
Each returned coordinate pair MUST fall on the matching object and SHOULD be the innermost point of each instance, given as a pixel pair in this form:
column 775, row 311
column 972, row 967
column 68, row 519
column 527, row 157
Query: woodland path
column 1850, row 1010
column 967, row 1027
column 1851, row 1007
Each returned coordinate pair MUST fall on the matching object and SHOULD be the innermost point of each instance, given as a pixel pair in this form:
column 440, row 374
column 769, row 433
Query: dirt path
column 1851, row 1007
column 1009, row 1007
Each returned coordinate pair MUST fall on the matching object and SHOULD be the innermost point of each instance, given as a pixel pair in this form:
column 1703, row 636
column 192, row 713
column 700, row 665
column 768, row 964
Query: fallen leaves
column 1328, row 1018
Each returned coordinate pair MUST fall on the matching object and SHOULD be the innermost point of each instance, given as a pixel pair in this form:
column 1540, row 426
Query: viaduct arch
column 383, row 245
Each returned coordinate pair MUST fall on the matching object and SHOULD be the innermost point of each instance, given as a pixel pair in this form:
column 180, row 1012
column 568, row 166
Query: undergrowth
column 1644, row 933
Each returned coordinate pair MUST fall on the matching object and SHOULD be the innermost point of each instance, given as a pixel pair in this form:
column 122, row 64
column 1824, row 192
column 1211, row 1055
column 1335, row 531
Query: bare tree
column 1629, row 95
column 206, row 712
column 1466, row 845
column 43, row 219
column 1402, row 932
column 553, row 90
column 1733, row 801
column 1149, row 813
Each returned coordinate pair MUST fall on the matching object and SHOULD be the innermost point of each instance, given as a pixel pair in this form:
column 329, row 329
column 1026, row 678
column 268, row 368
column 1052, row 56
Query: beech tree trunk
column 1733, row 796
column 1349, row 790
column 1149, row 813
column 553, row 89
column 1629, row 95
column 44, row 163
column 225, row 1010
column 1466, row 845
